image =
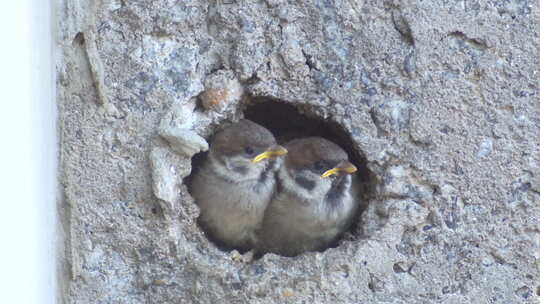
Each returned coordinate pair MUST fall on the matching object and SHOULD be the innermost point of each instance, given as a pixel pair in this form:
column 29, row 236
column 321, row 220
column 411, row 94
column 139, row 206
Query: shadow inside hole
column 286, row 122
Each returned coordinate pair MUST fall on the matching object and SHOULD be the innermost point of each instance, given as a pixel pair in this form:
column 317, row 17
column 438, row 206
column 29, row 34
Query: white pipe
column 28, row 154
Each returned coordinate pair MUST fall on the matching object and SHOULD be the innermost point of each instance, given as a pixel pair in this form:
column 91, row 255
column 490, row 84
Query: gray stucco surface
column 440, row 98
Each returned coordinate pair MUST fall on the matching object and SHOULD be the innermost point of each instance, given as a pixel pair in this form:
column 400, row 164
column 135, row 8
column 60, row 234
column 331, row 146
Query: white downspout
column 28, row 154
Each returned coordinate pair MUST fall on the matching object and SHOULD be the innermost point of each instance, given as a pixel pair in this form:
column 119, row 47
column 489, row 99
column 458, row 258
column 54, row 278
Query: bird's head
column 317, row 166
column 245, row 150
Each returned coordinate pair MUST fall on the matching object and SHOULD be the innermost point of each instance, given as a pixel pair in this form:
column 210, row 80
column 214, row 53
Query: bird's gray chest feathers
column 232, row 210
column 314, row 217
column 305, row 216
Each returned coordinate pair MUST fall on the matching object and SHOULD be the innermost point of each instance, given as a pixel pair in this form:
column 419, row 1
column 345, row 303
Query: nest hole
column 288, row 122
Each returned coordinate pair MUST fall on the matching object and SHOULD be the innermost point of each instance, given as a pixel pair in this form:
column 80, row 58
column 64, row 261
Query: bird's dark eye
column 319, row 165
column 249, row 150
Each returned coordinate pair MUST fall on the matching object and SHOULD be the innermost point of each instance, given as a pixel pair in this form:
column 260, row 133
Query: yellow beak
column 343, row 167
column 274, row 151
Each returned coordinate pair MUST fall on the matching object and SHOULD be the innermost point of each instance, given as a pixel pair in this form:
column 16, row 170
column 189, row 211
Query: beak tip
column 270, row 153
column 348, row 168
column 280, row 150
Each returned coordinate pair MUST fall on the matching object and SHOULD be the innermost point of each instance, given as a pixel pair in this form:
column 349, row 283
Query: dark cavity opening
column 288, row 122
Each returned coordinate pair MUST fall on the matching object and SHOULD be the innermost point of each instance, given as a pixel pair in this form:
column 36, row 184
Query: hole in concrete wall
column 79, row 39
column 288, row 122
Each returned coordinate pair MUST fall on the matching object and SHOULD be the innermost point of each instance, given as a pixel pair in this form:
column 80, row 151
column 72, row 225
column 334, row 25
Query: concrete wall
column 439, row 101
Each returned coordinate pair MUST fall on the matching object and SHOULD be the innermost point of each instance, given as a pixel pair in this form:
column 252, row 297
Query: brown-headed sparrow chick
column 315, row 200
column 236, row 182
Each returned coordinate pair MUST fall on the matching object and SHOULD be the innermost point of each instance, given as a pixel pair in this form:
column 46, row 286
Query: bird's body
column 310, row 210
column 233, row 187
column 231, row 210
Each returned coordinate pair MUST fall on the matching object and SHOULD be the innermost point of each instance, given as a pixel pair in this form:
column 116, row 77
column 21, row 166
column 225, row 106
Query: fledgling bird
column 315, row 200
column 236, row 182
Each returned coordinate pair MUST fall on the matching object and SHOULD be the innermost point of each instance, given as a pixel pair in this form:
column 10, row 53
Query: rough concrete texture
column 441, row 98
